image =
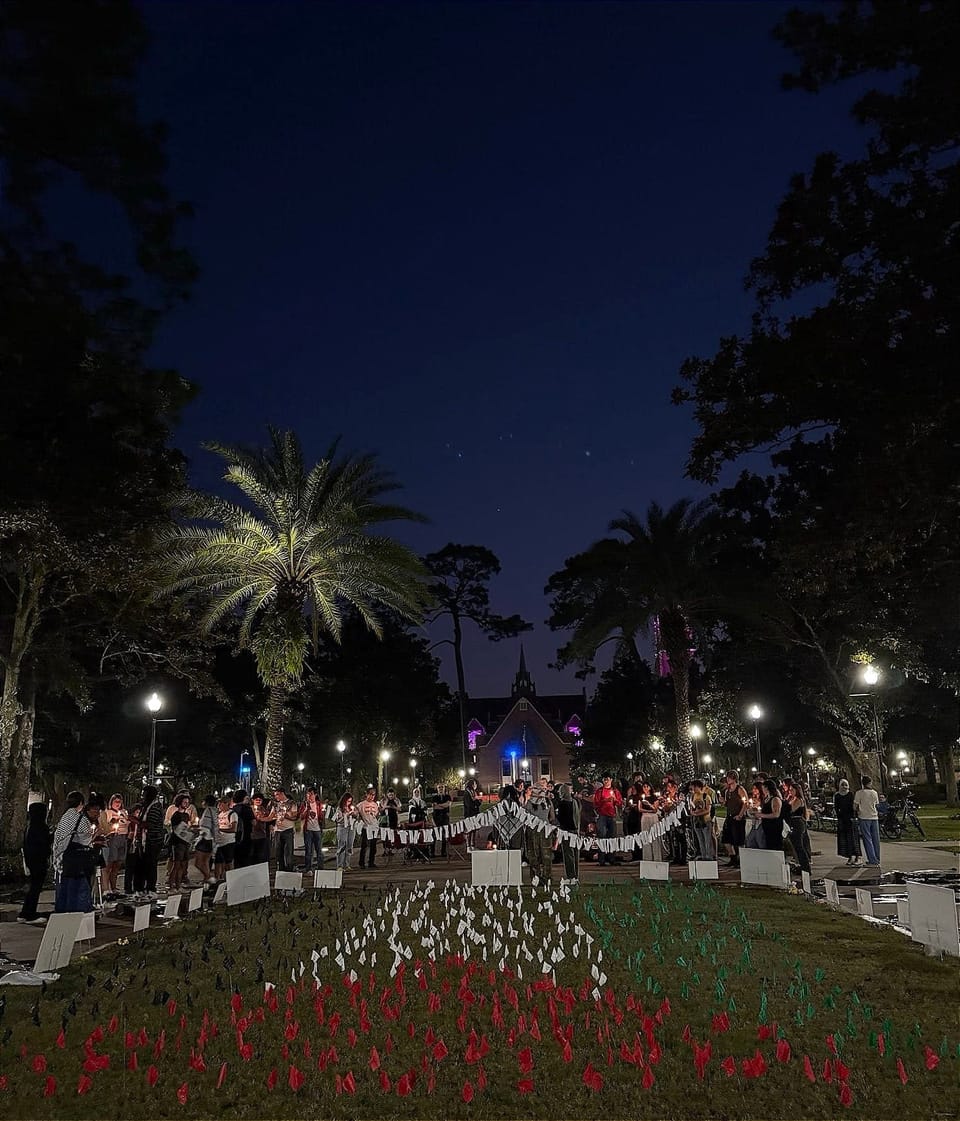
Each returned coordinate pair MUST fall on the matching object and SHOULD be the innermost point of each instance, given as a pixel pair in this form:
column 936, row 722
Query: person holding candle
column 344, row 817
column 114, row 826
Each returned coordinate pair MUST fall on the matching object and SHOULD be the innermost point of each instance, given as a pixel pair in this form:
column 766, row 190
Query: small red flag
column 467, row 1092
column 846, row 1095
column 525, row 1059
column 39, row 1064
column 152, row 1075
column 84, row 1084
column 183, row 1092
column 50, row 1086
column 222, row 1076
column 808, row 1069
column 931, row 1058
column 525, row 1086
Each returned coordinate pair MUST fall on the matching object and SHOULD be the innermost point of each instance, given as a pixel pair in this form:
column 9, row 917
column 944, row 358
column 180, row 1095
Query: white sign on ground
column 221, row 893
column 331, row 879
column 807, row 884
column 195, row 899
column 56, row 946
column 172, row 907
column 864, row 901
column 496, row 866
column 288, row 881
column 141, row 917
column 933, row 917
column 903, row 912
column 833, row 892
column 654, row 870
column 88, row 928
column 246, row 884
column 704, row 870
column 758, row 866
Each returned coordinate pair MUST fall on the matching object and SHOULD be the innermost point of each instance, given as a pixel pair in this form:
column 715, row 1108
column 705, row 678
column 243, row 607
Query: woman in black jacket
column 37, row 843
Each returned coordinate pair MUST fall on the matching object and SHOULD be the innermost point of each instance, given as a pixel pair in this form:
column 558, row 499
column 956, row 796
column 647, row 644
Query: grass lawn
column 940, row 823
column 669, row 1002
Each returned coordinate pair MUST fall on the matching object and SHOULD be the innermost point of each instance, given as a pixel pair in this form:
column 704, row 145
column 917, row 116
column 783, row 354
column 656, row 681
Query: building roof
column 555, row 708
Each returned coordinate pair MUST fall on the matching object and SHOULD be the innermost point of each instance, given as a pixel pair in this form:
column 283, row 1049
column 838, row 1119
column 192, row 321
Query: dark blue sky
column 479, row 240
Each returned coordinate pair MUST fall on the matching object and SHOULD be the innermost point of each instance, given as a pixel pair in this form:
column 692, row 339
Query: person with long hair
column 208, row 839
column 771, row 815
column 344, row 818
column 795, row 806
column 312, row 812
column 37, row 843
column 181, row 842
column 114, row 825
column 472, row 805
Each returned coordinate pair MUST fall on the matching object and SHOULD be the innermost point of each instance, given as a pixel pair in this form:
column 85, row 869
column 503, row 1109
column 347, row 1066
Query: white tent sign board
column 833, row 892
column 903, row 912
column 704, row 870
column 172, row 907
column 496, row 866
column 56, row 946
column 221, row 893
column 807, row 884
column 332, row 879
column 195, row 899
column 288, row 881
column 246, row 884
column 88, row 928
column 758, row 866
column 933, row 917
column 141, row 917
column 654, row 870
column 864, row 901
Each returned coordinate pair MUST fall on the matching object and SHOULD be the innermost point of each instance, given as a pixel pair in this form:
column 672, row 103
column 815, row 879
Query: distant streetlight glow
column 870, row 675
column 695, row 731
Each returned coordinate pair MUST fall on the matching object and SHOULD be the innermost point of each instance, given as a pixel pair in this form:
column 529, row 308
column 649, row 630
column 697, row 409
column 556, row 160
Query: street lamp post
column 341, row 748
column 871, row 676
column 243, row 777
column 755, row 712
column 154, row 704
column 382, row 758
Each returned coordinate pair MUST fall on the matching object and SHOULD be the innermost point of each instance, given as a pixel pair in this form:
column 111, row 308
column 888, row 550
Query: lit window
column 544, row 766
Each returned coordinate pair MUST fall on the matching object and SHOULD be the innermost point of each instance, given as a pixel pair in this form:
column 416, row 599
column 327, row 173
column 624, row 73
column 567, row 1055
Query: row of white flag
column 488, row 819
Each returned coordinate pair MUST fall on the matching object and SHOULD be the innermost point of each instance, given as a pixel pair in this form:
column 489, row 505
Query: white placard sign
column 172, row 907
column 833, row 892
column 496, row 866
column 246, row 884
column 195, row 900
column 654, row 870
column 864, row 901
column 760, row 866
column 807, row 884
column 933, row 917
column 221, row 893
column 903, row 912
column 331, row 879
column 288, row 881
column 88, row 928
column 704, row 870
column 141, row 917
column 56, row 946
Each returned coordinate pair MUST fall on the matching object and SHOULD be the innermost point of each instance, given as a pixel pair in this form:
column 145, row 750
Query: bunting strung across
column 487, row 820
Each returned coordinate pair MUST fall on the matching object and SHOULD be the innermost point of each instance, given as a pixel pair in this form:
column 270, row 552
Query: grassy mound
column 659, row 1001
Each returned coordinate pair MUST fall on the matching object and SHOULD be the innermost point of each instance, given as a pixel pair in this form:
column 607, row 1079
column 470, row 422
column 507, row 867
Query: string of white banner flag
column 488, row 819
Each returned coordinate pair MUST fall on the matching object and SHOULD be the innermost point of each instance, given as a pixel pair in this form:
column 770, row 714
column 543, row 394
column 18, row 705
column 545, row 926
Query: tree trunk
column 16, row 717
column 945, row 762
column 930, row 765
column 461, row 686
column 861, row 760
column 676, row 642
column 272, row 774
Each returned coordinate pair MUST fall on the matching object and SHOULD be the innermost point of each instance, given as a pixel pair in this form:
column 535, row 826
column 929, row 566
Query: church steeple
column 523, row 685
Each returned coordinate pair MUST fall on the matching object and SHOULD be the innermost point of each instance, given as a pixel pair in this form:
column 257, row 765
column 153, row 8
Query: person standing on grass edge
column 868, row 820
column 441, row 815
column 37, row 843
column 287, row 813
column 567, row 809
column 369, row 813
column 343, row 818
column 312, row 811
column 607, row 802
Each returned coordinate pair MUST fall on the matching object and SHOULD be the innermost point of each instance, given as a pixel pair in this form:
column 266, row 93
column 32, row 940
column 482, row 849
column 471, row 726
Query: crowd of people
column 97, row 841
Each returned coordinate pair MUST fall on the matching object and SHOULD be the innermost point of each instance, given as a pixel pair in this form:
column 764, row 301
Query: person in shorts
column 114, row 825
column 181, row 842
column 227, row 824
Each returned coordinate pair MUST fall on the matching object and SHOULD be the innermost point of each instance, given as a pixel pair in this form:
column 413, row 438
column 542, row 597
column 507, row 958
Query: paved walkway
column 20, row 943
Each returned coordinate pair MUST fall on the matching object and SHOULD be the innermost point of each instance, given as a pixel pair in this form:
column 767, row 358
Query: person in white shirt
column 868, row 820
column 369, row 813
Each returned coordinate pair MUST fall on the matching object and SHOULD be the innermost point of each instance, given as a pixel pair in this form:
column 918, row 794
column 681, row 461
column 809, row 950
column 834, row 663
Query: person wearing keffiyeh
column 539, row 847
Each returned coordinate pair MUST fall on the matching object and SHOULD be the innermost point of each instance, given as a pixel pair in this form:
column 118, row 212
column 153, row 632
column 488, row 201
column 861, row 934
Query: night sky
column 479, row 240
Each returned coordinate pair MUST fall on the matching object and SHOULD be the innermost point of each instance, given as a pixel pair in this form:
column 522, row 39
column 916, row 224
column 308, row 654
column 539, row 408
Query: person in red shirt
column 607, row 802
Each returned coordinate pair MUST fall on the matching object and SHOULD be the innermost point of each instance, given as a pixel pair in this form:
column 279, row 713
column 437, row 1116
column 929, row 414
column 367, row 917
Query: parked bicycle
column 896, row 818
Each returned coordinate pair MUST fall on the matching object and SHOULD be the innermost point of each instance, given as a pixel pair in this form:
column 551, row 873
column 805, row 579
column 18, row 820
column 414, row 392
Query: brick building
column 523, row 735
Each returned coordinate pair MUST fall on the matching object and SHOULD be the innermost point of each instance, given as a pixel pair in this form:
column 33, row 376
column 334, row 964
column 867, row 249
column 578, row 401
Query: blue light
column 513, row 753
column 244, row 770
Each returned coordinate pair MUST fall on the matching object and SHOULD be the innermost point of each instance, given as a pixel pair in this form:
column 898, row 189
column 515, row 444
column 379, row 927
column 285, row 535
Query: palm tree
column 291, row 559
column 661, row 573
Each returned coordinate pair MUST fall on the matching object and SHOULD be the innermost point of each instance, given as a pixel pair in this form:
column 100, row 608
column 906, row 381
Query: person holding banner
column 567, row 810
column 539, row 805
column 369, row 814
